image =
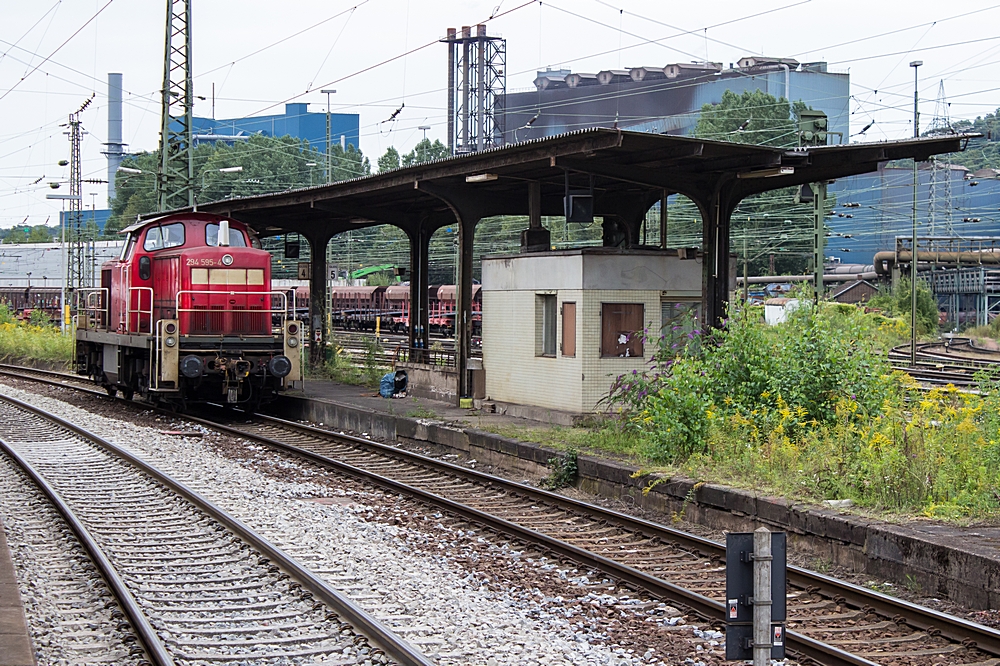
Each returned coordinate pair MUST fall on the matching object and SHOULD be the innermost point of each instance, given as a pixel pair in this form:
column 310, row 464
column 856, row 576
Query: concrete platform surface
column 427, row 408
column 15, row 644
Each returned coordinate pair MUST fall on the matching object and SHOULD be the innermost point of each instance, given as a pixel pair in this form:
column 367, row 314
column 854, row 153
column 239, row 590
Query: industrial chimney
column 115, row 148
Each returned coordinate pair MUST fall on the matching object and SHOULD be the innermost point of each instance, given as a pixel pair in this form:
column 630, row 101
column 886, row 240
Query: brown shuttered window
column 621, row 329
column 569, row 329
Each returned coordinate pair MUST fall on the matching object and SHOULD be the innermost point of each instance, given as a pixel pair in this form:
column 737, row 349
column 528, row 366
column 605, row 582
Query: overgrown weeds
column 27, row 341
column 342, row 367
column 564, row 471
column 812, row 409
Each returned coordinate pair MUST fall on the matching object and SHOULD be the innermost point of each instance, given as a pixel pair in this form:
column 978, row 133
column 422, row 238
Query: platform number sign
column 739, row 596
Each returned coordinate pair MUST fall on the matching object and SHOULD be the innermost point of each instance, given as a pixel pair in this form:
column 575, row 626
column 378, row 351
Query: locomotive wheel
column 112, row 391
column 128, row 394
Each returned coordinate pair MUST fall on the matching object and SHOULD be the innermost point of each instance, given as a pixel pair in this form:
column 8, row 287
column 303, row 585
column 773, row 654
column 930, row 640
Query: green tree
column 982, row 152
column 771, row 223
column 39, row 234
column 16, row 236
column 389, row 161
column 751, row 117
column 269, row 164
column 425, row 151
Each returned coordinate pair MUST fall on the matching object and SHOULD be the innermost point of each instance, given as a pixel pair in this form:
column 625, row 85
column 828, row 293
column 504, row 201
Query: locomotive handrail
column 139, row 310
column 94, row 304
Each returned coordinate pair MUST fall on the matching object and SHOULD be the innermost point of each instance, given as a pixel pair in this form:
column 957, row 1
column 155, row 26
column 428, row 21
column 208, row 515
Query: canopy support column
column 318, row 330
column 420, row 238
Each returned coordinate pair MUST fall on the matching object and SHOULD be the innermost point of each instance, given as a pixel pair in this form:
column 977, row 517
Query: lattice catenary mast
column 79, row 243
column 175, row 174
column 477, row 80
column 939, row 206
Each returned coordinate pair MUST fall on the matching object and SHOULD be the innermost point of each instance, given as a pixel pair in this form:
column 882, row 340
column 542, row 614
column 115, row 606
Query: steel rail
column 150, row 641
column 954, row 628
column 917, row 616
column 699, row 604
column 393, row 646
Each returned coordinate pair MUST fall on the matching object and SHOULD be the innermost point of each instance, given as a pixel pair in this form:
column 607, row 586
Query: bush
column 812, row 409
column 6, row 314
column 20, row 342
column 896, row 303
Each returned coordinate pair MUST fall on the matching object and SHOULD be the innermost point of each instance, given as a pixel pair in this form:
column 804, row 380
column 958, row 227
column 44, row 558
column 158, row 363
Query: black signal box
column 739, row 577
column 739, row 595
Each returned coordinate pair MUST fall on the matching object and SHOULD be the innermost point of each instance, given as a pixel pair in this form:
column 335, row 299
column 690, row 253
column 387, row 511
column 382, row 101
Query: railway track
column 955, row 362
column 830, row 621
column 196, row 585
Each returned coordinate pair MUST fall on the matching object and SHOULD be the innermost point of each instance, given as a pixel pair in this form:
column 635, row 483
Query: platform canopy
column 630, row 170
column 627, row 172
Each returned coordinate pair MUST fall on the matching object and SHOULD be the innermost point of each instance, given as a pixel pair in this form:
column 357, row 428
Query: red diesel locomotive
column 186, row 314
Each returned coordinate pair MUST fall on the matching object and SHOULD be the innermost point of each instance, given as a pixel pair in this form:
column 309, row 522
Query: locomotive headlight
column 170, row 341
column 293, row 342
column 227, row 259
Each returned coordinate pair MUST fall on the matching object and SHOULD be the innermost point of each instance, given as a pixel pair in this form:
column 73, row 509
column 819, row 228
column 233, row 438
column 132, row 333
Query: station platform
column 15, row 643
column 934, row 560
column 428, row 408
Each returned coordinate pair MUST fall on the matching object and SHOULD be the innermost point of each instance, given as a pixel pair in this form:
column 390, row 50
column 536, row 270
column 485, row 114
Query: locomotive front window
column 236, row 238
column 161, row 238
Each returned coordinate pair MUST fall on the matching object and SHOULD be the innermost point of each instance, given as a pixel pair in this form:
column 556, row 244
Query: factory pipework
column 115, row 148
column 885, row 260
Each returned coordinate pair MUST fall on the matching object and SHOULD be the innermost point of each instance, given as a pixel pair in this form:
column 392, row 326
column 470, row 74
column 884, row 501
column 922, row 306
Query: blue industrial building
column 668, row 100
column 99, row 216
column 296, row 121
column 872, row 209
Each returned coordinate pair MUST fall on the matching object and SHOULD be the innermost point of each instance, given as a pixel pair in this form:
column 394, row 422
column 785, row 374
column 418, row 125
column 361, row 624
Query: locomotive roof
column 201, row 217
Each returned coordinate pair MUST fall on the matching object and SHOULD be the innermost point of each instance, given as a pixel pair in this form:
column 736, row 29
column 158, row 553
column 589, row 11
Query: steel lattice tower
column 939, row 205
column 79, row 242
column 175, row 177
column 477, row 81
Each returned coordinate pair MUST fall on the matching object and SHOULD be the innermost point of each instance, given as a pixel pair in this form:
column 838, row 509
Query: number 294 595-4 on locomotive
column 186, row 314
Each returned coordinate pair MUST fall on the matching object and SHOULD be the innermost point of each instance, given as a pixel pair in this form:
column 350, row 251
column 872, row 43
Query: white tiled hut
column 559, row 327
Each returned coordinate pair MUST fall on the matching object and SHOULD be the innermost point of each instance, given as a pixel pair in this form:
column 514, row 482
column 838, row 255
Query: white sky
column 36, row 95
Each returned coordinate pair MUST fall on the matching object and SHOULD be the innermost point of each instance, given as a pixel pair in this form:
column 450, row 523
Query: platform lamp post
column 913, row 241
column 329, row 158
column 424, row 128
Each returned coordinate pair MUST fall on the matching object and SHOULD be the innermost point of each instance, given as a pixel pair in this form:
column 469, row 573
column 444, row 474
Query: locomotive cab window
column 236, row 238
column 162, row 238
column 145, row 267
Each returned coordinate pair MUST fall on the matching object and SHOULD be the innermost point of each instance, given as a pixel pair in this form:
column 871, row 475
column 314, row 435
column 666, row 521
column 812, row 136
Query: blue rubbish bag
column 387, row 385
column 392, row 383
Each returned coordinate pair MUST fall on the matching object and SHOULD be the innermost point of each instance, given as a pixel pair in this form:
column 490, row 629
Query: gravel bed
column 462, row 596
column 72, row 616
